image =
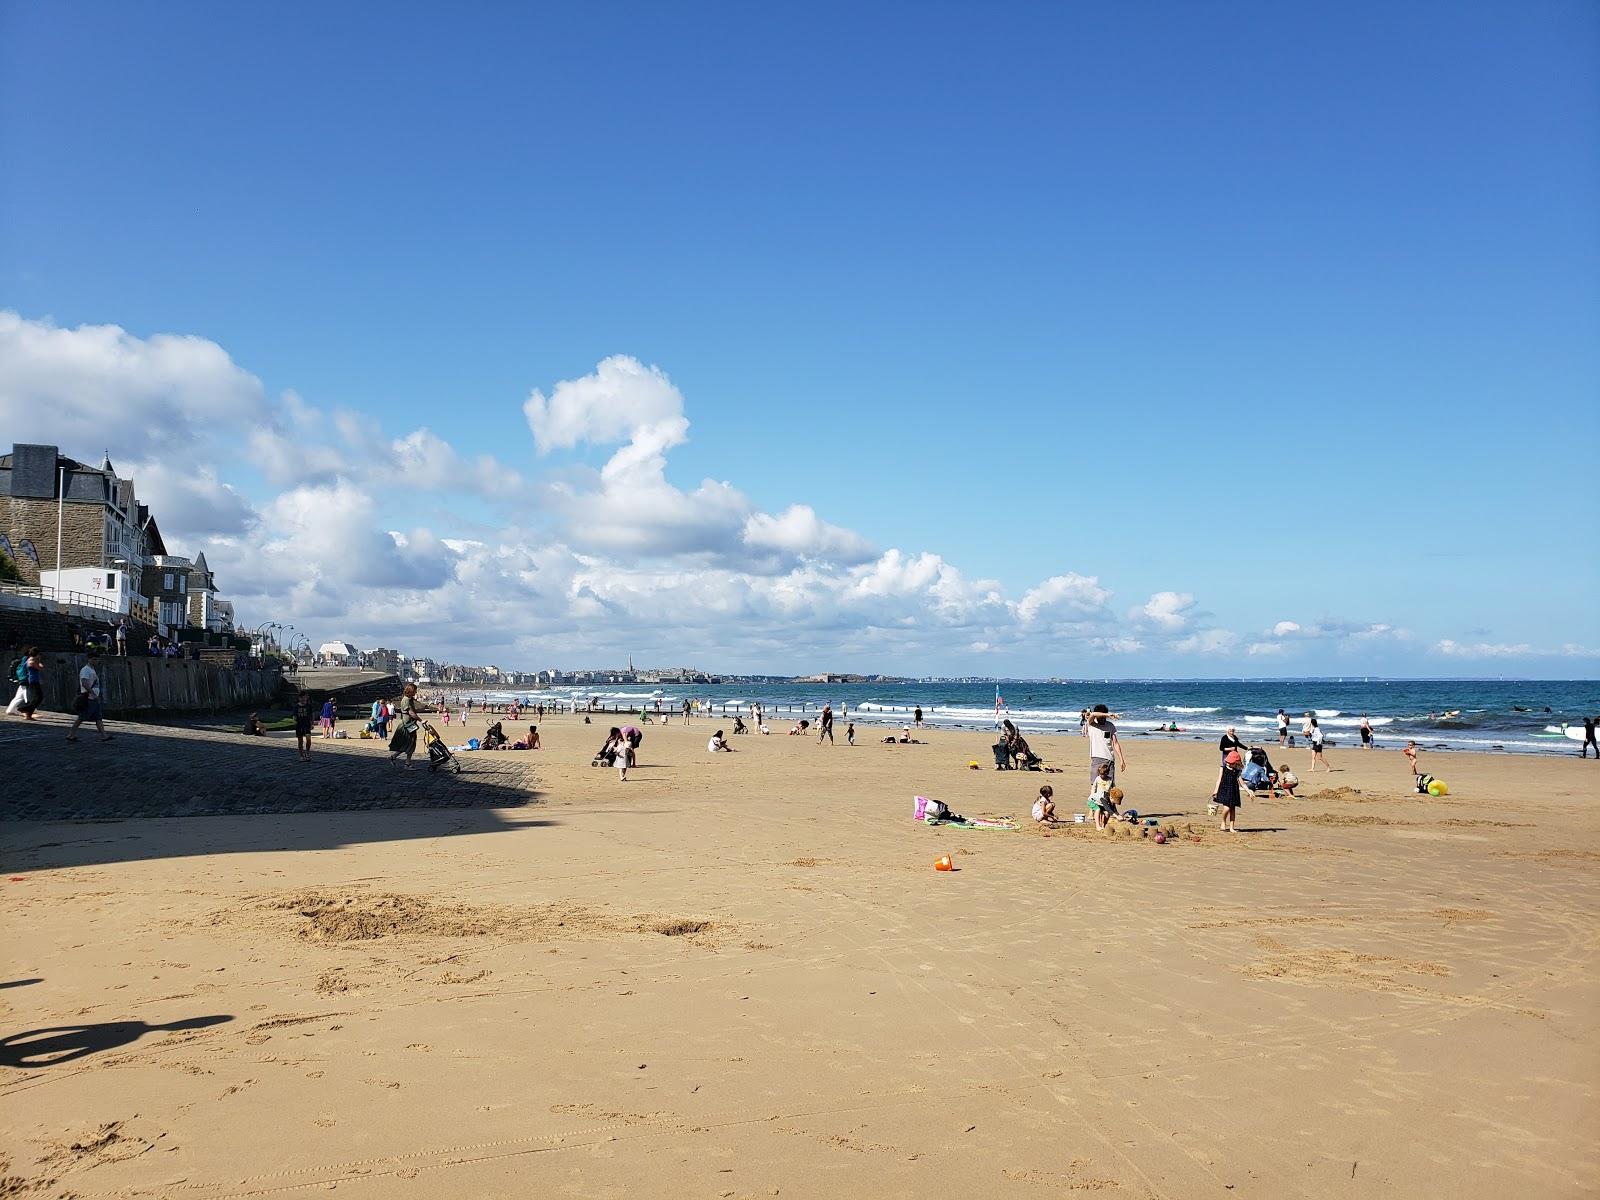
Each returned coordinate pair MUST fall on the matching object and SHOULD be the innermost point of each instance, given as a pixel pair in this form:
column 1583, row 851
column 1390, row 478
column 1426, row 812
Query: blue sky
column 1292, row 311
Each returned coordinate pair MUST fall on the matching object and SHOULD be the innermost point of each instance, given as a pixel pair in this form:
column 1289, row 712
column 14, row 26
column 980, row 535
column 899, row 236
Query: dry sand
column 740, row 976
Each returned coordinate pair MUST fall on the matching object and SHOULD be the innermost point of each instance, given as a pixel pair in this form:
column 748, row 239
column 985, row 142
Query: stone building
column 102, row 523
column 203, row 596
column 166, row 583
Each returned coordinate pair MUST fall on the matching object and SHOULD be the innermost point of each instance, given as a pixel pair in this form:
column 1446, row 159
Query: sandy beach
column 740, row 976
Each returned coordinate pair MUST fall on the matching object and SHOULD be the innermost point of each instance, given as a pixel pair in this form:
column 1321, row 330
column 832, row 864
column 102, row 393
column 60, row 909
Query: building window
column 183, row 584
column 166, row 582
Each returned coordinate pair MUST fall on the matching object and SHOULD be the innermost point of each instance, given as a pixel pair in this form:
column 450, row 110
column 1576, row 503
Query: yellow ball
column 1438, row 788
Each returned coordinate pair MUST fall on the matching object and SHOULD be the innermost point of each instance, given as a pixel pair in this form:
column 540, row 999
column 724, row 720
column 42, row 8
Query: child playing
column 1287, row 779
column 1044, row 808
column 850, row 733
column 1100, row 801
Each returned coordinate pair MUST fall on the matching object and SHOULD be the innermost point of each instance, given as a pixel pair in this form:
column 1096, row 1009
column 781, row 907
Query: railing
column 42, row 591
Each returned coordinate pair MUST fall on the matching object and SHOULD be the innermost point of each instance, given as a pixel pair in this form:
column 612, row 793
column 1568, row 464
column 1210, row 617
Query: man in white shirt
column 87, row 705
column 1103, row 744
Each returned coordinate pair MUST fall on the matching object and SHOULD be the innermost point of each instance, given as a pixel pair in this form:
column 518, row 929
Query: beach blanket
column 933, row 812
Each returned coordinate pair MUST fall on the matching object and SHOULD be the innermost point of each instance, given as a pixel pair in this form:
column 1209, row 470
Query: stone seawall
column 146, row 685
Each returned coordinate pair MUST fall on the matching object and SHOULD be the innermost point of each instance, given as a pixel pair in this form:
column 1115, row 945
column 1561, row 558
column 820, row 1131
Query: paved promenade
column 193, row 770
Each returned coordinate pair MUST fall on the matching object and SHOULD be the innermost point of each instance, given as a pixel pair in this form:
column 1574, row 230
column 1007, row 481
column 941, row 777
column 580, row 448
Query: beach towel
column 936, row 812
column 979, row 823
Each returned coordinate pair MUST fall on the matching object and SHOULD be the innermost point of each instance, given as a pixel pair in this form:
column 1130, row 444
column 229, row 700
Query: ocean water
column 1521, row 717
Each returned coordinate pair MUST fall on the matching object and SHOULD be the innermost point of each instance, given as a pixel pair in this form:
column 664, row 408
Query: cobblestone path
column 191, row 770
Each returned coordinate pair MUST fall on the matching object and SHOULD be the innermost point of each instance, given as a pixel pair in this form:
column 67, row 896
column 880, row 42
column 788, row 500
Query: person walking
column 1104, row 747
column 825, row 725
column 404, row 740
column 1588, row 740
column 122, row 637
column 87, row 704
column 302, row 724
column 35, row 669
column 917, row 716
column 1316, row 747
column 19, row 676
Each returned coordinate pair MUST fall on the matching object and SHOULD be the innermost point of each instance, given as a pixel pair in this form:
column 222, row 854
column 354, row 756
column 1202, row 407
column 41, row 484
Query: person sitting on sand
column 738, row 724
column 800, row 728
column 719, row 744
column 1044, row 808
column 1022, row 756
column 906, row 739
column 254, row 728
column 1100, row 802
column 533, row 737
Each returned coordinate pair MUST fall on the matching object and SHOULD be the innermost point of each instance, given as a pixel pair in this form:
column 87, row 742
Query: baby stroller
column 438, row 753
column 1258, row 777
column 605, row 756
column 493, row 738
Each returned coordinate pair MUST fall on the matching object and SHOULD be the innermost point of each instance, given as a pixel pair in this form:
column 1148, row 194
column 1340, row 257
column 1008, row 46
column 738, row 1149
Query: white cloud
column 1070, row 596
column 622, row 400
column 595, row 556
column 190, row 501
column 1206, row 641
column 98, row 386
column 798, row 531
column 1166, row 610
column 1455, row 649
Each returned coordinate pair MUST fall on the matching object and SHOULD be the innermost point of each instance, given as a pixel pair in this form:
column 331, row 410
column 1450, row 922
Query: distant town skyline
column 1039, row 344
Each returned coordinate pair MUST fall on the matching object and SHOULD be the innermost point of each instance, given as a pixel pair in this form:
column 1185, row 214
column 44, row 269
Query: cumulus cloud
column 622, row 400
column 630, row 506
column 1070, row 596
column 189, row 500
column 800, row 532
column 581, row 560
column 99, row 386
column 1166, row 610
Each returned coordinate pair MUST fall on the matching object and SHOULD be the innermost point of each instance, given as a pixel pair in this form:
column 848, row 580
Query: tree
column 8, row 570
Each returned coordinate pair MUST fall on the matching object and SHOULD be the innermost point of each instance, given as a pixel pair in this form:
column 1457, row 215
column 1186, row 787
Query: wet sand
column 739, row 975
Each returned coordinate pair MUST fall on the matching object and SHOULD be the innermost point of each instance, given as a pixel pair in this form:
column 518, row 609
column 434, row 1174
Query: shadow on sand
column 162, row 792
column 64, row 1043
